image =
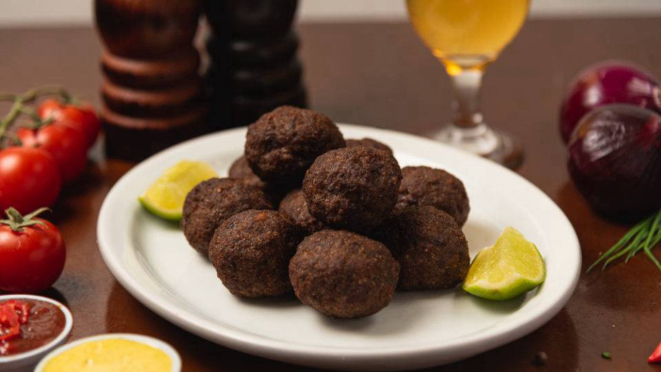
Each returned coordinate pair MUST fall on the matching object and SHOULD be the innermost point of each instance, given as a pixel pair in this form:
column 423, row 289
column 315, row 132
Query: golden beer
column 467, row 34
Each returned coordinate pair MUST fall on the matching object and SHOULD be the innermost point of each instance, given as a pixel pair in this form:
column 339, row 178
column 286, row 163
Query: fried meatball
column 294, row 206
column 283, row 143
column 353, row 188
column 240, row 169
column 251, row 252
column 211, row 202
column 343, row 275
column 368, row 142
column 436, row 188
column 429, row 245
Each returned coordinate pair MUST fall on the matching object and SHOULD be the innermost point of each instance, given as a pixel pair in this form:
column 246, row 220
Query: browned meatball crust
column 211, row 202
column 251, row 252
column 353, row 188
column 425, row 186
column 241, row 170
column 343, row 275
column 283, row 143
column 294, row 206
column 369, row 142
column 429, row 245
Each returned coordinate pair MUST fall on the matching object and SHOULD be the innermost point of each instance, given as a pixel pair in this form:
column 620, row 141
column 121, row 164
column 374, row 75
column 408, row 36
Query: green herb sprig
column 642, row 237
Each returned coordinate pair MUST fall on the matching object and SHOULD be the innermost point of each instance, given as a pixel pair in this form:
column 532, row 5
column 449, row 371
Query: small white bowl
column 26, row 361
column 153, row 342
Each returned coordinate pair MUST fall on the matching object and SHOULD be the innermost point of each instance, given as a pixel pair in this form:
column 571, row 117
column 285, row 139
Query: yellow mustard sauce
column 111, row 355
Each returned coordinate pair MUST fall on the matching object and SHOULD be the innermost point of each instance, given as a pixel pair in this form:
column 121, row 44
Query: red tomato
column 29, row 179
column 65, row 144
column 32, row 258
column 81, row 117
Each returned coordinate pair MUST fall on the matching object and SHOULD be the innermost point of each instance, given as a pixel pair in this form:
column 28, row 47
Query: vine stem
column 34, row 93
column 13, row 113
column 19, row 99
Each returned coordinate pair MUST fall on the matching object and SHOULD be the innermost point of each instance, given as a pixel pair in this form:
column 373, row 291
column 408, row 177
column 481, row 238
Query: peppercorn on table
column 380, row 74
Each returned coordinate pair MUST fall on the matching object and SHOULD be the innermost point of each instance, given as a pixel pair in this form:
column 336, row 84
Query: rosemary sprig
column 642, row 237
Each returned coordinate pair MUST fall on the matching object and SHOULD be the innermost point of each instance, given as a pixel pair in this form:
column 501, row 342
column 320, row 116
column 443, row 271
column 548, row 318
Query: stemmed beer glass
column 467, row 35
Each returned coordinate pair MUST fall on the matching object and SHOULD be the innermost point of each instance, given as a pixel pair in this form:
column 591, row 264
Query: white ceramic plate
column 152, row 260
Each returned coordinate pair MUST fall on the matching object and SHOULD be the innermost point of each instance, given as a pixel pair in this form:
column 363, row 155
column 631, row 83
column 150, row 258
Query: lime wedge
column 511, row 267
column 165, row 197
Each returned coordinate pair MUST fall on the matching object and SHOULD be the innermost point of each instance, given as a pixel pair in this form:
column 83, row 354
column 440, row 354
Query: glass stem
column 466, row 103
column 468, row 130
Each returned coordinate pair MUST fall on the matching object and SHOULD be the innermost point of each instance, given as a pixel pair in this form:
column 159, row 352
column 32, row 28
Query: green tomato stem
column 14, row 112
column 17, row 222
column 20, row 100
column 35, row 93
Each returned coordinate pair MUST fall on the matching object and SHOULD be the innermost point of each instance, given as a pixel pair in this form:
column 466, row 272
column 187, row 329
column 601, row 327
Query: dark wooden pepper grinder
column 254, row 66
column 152, row 93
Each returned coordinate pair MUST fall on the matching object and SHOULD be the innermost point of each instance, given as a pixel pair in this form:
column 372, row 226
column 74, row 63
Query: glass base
column 483, row 141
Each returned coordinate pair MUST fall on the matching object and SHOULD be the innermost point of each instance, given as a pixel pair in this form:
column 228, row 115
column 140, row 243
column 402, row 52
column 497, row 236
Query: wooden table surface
column 379, row 74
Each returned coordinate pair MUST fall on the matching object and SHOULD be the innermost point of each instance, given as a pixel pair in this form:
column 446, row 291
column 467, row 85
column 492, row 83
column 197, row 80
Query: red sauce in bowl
column 27, row 324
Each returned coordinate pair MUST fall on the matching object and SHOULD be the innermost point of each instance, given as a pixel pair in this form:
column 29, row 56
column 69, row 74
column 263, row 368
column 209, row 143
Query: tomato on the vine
column 29, row 179
column 65, row 144
column 32, row 253
column 81, row 117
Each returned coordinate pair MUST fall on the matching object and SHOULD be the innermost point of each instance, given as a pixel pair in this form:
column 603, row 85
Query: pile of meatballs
column 335, row 221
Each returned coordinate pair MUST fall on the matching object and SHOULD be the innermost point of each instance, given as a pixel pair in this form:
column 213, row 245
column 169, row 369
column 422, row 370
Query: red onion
column 610, row 82
column 615, row 160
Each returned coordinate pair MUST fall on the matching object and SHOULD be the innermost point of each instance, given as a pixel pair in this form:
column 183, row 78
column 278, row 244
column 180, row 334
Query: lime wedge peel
column 165, row 197
column 508, row 269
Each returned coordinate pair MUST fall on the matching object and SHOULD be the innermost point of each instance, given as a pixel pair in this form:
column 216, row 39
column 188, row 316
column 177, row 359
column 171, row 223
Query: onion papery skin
column 615, row 161
column 603, row 84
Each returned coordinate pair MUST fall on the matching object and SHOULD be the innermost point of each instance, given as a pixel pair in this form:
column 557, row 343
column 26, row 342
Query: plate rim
column 313, row 355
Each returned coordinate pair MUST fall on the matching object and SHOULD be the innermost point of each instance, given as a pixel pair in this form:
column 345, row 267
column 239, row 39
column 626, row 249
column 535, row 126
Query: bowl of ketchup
column 30, row 327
